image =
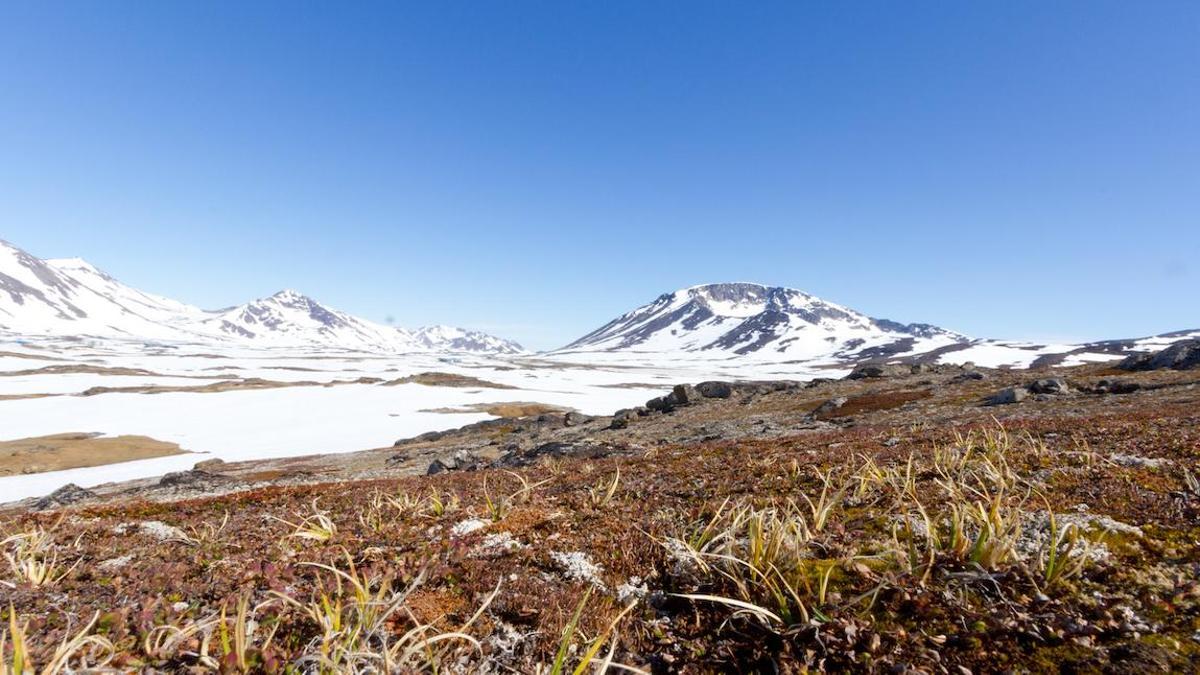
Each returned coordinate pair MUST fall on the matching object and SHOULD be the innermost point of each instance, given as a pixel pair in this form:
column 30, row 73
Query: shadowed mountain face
column 72, row 298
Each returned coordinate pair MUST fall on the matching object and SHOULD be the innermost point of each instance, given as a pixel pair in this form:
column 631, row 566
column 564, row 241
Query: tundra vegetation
column 1062, row 537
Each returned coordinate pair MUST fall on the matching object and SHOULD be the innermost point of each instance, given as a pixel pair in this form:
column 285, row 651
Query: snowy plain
column 327, row 411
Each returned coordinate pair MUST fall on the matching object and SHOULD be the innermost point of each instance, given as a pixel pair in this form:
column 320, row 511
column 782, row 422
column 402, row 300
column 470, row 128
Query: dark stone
column 1117, row 386
column 1050, row 385
column 830, row 407
column 191, row 478
column 1009, row 395
column 660, row 404
column 63, row 496
column 1179, row 356
column 574, row 419
column 1183, row 355
column 969, row 376
column 622, row 418
column 584, row 450
column 877, row 370
column 461, row 460
column 427, row 437
column 713, row 389
column 683, row 394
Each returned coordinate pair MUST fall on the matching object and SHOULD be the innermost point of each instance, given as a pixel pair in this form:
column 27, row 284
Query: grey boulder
column 1009, row 395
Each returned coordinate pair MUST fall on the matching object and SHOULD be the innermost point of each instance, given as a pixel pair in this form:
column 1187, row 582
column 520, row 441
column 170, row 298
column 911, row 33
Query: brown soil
column 75, row 450
column 504, row 409
column 436, row 379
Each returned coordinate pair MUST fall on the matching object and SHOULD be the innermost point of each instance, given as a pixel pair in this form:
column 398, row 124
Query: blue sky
column 1006, row 169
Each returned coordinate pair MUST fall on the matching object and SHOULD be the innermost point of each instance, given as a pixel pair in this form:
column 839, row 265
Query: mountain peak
column 740, row 318
column 290, row 296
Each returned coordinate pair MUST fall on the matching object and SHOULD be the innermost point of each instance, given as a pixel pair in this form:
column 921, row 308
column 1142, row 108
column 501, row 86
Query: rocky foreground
column 908, row 518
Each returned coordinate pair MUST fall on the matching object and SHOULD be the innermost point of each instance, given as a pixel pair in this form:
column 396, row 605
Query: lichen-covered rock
column 1008, row 396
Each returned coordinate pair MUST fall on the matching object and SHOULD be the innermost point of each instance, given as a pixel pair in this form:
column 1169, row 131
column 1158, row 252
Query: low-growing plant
column 81, row 652
column 826, row 502
column 439, row 505
column 317, row 526
column 602, row 492
column 355, row 618
column 1062, row 558
column 588, row 658
column 496, row 508
column 33, row 559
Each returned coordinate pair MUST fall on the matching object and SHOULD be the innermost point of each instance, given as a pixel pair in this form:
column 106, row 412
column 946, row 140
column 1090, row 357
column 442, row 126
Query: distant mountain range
column 725, row 322
column 70, row 297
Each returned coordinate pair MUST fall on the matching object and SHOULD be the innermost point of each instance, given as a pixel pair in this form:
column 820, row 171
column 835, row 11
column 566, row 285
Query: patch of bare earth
column 76, row 450
column 504, row 409
column 438, row 379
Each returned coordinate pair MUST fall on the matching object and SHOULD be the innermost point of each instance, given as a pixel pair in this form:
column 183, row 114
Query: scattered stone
column 518, row 457
column 714, row 389
column 622, row 418
column 1108, row 386
column 575, row 419
column 968, row 376
column 1050, row 385
column 63, row 496
column 876, row 370
column 190, row 478
column 830, row 407
column 683, row 394
column 661, row 404
column 713, row 431
column 1007, row 396
column 459, row 460
column 214, row 464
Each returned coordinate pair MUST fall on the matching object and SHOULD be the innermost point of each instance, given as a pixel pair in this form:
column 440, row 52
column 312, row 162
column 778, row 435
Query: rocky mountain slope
column 73, row 298
column 744, row 320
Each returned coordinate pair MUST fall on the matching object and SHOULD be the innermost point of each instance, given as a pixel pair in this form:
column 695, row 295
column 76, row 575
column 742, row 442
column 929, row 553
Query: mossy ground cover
column 890, row 544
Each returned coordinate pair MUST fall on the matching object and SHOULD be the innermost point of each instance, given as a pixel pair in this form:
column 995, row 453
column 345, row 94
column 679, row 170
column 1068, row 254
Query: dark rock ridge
column 1179, row 356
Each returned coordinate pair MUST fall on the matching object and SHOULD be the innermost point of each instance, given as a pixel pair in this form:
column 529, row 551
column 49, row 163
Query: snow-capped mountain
column 70, row 297
column 65, row 297
column 449, row 338
column 290, row 318
column 740, row 319
column 784, row 325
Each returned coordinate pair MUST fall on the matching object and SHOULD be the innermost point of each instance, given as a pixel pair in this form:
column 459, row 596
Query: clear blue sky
column 1006, row 169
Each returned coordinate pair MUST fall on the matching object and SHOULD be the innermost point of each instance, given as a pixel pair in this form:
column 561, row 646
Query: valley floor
column 893, row 524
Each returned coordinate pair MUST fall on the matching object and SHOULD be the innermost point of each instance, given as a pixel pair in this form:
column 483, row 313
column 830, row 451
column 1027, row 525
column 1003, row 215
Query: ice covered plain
column 81, row 352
